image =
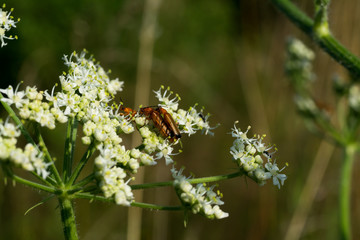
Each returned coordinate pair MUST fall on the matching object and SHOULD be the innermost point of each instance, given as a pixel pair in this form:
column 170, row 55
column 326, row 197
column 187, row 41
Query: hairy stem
column 69, row 147
column 68, row 219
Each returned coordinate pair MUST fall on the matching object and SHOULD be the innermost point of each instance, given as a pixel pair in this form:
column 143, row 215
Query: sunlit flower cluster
column 198, row 199
column 86, row 94
column 29, row 158
column 31, row 106
column 111, row 165
column 249, row 154
column 6, row 23
column 189, row 121
column 153, row 144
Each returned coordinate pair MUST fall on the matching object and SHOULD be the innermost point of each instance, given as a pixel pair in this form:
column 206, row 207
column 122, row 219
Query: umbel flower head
column 6, row 23
column 86, row 94
column 249, row 155
column 199, row 198
column 29, row 158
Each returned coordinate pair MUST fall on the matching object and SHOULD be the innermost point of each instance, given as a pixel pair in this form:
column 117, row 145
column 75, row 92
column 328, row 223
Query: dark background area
column 225, row 55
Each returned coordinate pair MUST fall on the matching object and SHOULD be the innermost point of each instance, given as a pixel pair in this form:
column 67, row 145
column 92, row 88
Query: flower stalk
column 320, row 35
column 68, row 218
column 345, row 191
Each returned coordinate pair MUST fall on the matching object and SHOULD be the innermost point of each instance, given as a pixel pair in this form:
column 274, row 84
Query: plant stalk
column 345, row 192
column 68, row 218
column 321, row 35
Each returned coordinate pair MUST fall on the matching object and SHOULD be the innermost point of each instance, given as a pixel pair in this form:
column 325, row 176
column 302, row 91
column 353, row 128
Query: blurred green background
column 225, row 55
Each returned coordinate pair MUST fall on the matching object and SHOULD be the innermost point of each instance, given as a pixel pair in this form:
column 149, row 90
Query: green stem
column 330, row 129
column 192, row 181
column 345, row 191
column 18, row 122
column 321, row 35
column 85, row 181
column 69, row 147
column 156, row 207
column 68, row 219
column 48, row 157
column 21, row 180
column 134, row 204
column 81, row 164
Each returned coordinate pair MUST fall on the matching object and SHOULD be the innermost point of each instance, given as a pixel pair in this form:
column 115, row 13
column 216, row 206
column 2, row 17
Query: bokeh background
column 225, row 55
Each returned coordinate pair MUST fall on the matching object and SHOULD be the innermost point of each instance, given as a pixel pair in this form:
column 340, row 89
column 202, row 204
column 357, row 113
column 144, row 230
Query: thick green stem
column 68, row 219
column 345, row 192
column 321, row 35
column 69, row 147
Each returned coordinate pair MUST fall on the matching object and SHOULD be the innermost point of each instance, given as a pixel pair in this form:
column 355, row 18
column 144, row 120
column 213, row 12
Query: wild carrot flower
column 198, row 199
column 249, row 155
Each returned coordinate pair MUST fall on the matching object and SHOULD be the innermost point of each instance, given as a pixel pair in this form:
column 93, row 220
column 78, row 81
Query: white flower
column 9, row 130
column 278, row 179
column 165, row 100
column 219, row 214
column 249, row 154
column 165, row 150
column 13, row 97
column 6, row 23
column 147, row 159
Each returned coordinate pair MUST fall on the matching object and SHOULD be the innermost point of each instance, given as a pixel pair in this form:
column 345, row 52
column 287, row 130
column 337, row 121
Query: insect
column 127, row 110
column 163, row 121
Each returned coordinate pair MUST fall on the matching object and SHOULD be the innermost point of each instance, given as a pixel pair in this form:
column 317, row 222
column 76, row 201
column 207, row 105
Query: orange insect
column 127, row 110
column 161, row 118
column 163, row 121
column 170, row 122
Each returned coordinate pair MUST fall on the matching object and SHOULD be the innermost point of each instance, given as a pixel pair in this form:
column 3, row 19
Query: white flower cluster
column 86, row 94
column 248, row 153
column 28, row 158
column 111, row 165
column 6, row 23
column 198, row 199
column 31, row 106
column 190, row 121
column 155, row 146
